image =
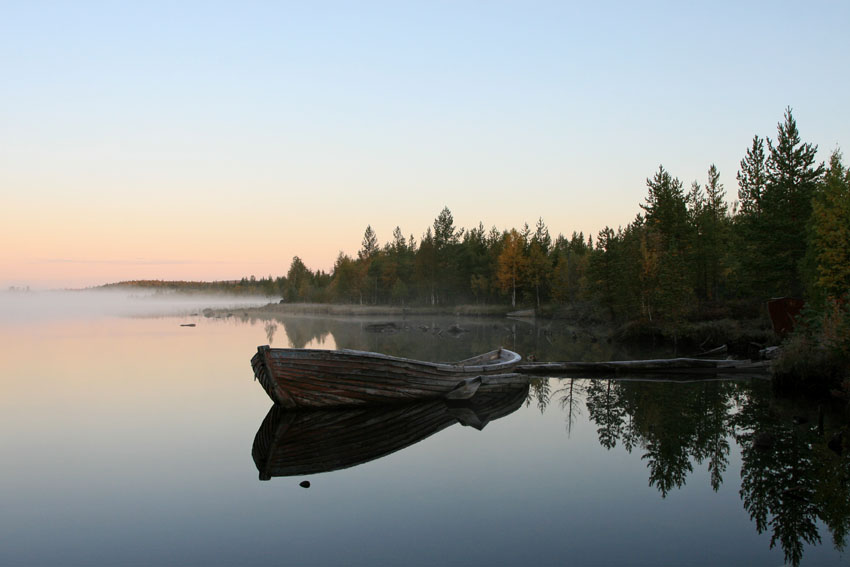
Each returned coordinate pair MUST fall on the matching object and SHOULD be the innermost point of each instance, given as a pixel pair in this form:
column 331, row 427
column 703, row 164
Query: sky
column 216, row 140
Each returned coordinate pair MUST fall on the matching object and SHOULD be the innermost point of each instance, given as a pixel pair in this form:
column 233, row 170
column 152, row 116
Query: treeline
column 448, row 266
column 787, row 234
column 247, row 286
column 689, row 252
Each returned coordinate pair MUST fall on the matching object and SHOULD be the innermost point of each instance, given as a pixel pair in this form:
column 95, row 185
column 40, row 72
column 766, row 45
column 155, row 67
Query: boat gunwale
column 502, row 358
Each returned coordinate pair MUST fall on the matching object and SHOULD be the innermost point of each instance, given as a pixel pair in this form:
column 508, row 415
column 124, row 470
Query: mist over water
column 29, row 306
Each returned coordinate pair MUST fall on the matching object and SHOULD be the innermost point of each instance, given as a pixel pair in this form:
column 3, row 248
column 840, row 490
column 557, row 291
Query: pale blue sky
column 214, row 140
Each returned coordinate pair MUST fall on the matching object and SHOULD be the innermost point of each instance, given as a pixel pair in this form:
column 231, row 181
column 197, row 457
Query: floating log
column 656, row 366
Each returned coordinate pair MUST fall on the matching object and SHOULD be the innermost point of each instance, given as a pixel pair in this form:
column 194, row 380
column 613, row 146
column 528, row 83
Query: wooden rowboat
column 308, row 378
column 296, row 442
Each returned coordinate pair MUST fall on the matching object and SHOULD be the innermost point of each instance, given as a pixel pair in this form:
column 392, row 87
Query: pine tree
column 752, row 179
column 792, row 177
column 775, row 207
column 426, row 267
column 696, row 200
column 667, row 215
column 446, row 240
column 715, row 226
column 666, row 209
column 539, row 264
column 674, row 295
column 650, row 252
column 299, row 280
column 368, row 256
column 369, row 246
column 444, row 230
column 752, row 184
column 346, row 284
column 603, row 268
column 708, row 219
column 399, row 242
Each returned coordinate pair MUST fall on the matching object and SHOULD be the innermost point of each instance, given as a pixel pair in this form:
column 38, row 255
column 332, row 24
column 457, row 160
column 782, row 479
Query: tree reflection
column 301, row 332
column 607, row 408
column 271, row 328
column 540, row 392
column 570, row 400
column 790, row 479
column 673, row 426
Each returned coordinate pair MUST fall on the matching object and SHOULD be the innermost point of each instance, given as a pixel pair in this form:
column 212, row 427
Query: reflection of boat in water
column 324, row 378
column 298, row 442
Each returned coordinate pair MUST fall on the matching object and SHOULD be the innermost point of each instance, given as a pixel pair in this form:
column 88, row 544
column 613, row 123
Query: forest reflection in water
column 790, row 478
column 793, row 486
column 441, row 338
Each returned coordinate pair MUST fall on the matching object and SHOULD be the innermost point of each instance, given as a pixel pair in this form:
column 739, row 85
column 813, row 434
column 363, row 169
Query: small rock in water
column 304, row 484
column 187, row 324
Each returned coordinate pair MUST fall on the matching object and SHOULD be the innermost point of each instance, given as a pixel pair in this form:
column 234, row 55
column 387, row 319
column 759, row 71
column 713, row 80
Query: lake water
column 127, row 440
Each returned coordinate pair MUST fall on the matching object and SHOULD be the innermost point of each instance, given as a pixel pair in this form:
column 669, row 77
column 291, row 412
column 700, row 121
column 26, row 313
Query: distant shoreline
column 355, row 310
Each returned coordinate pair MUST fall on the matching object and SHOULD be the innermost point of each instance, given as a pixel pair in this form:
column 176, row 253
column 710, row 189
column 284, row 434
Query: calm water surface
column 128, row 441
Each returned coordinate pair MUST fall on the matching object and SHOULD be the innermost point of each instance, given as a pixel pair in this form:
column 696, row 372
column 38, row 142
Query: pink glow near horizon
column 207, row 141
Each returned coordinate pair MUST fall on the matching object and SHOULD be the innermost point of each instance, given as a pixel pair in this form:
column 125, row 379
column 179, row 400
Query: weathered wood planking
column 310, row 378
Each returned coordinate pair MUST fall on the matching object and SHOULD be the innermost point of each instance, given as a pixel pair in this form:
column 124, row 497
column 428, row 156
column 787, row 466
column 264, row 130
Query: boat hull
column 308, row 378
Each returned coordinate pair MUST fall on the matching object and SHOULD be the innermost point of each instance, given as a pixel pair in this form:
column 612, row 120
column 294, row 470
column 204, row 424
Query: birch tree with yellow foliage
column 512, row 263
